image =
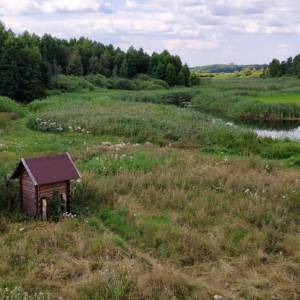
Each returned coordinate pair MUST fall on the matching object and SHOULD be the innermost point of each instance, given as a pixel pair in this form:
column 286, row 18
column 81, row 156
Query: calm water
column 292, row 134
column 276, row 131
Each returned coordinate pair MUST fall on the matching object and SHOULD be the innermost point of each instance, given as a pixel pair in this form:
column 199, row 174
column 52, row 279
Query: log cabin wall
column 28, row 194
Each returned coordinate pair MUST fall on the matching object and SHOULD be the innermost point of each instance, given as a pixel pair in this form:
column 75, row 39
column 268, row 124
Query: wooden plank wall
column 48, row 190
column 28, row 194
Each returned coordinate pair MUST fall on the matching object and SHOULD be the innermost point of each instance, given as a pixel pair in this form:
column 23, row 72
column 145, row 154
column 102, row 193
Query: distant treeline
column 226, row 68
column 289, row 67
column 27, row 62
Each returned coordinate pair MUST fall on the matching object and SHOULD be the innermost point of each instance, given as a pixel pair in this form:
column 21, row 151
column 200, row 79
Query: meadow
column 280, row 98
column 173, row 204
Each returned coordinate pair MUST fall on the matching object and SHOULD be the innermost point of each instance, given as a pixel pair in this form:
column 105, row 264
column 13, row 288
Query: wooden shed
column 42, row 177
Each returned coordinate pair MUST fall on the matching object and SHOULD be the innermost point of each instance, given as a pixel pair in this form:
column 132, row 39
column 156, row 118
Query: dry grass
column 191, row 227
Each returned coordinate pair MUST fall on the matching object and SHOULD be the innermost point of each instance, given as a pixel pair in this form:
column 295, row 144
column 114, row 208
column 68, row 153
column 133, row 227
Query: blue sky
column 200, row 31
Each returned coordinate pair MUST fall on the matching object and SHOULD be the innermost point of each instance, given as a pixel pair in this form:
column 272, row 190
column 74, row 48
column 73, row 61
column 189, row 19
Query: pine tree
column 180, row 78
column 160, row 71
column 171, row 74
column 124, row 69
column 187, row 74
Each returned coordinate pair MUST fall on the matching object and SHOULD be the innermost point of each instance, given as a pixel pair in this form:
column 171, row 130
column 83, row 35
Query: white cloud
column 18, row 7
column 51, row 6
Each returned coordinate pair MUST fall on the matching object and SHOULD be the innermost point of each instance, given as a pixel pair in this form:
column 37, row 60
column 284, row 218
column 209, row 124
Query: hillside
column 226, row 68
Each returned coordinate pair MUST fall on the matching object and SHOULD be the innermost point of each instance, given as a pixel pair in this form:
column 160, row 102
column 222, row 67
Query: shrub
column 121, row 84
column 8, row 105
column 150, row 84
column 9, row 193
column 70, row 83
column 97, row 80
column 56, row 207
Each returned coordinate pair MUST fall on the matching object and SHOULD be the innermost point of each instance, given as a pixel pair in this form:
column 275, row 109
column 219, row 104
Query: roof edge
column 28, row 171
column 72, row 162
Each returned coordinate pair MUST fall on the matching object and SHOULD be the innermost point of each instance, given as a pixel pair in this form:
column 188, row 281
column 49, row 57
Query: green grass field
column 172, row 205
column 280, row 98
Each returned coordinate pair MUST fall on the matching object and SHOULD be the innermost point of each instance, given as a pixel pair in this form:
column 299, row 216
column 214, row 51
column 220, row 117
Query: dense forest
column 289, row 67
column 27, row 62
column 226, row 68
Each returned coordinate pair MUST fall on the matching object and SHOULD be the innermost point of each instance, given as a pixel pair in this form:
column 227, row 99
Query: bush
column 8, row 105
column 97, row 80
column 9, row 193
column 56, row 207
column 70, row 83
column 121, row 84
column 150, row 84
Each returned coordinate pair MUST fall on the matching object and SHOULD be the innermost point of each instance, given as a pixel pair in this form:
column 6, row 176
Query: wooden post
column 68, row 197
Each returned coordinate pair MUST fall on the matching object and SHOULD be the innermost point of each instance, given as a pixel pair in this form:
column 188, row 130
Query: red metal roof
column 49, row 169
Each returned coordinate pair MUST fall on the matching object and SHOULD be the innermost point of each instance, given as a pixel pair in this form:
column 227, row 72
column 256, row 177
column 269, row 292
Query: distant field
column 280, row 98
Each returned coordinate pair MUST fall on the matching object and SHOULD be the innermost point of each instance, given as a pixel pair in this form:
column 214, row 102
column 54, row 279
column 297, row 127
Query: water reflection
column 292, row 134
column 284, row 130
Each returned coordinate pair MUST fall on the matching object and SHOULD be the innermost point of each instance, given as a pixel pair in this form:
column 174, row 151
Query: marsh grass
column 242, row 99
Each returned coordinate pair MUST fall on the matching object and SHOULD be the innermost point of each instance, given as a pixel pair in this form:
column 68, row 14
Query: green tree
column 171, row 75
column 296, row 66
column 124, row 69
column 275, row 68
column 75, row 66
column 94, row 65
column 106, row 62
column 160, row 71
column 180, row 78
column 187, row 74
column 21, row 67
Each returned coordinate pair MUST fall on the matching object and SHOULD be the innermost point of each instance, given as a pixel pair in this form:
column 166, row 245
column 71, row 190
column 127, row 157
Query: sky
column 200, row 31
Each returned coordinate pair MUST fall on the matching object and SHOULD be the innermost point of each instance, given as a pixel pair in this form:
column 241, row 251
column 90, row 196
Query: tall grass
column 236, row 98
column 147, row 232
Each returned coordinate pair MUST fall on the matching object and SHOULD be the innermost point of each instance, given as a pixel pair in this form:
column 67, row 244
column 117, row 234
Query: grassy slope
column 153, row 222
